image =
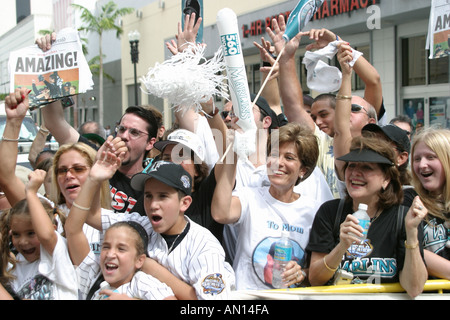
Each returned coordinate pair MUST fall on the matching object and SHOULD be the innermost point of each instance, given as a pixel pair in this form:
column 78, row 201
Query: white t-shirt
column 315, row 186
column 52, row 277
column 259, row 227
column 198, row 259
column 143, row 286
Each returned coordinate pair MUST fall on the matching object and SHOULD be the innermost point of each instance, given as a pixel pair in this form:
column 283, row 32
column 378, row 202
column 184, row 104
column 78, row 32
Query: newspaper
column 438, row 39
column 53, row 75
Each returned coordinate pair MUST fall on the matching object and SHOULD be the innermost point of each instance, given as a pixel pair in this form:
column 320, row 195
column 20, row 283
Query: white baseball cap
column 186, row 138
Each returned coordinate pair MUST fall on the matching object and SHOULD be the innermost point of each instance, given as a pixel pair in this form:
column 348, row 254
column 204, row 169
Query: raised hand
column 17, row 104
column 105, row 167
column 322, row 38
column 35, row 180
column 45, row 42
column 278, row 41
column 186, row 36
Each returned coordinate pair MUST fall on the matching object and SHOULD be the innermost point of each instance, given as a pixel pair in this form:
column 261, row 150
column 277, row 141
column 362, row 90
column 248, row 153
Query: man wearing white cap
column 184, row 147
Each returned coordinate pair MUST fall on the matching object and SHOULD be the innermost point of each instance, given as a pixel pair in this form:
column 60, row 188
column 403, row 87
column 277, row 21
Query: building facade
column 391, row 34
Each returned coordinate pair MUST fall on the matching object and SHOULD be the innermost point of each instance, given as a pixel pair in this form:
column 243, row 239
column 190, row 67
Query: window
column 22, row 9
column 438, row 70
column 417, row 69
column 357, row 83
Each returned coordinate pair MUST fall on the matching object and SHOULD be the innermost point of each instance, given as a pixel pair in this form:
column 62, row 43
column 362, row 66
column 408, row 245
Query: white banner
column 438, row 39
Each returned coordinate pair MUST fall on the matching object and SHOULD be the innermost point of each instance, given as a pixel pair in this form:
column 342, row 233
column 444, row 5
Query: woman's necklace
column 375, row 217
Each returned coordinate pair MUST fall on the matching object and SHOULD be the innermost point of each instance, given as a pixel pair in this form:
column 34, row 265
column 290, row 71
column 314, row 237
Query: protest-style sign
column 438, row 39
column 53, row 75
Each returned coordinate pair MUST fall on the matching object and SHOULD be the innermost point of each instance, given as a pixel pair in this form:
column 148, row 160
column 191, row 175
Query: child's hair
column 139, row 232
column 20, row 208
column 438, row 141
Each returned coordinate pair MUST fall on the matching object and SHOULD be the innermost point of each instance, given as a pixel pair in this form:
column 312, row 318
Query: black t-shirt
column 383, row 253
column 200, row 209
column 124, row 197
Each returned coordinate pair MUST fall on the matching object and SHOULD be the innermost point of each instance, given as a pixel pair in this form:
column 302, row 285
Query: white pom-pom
column 188, row 79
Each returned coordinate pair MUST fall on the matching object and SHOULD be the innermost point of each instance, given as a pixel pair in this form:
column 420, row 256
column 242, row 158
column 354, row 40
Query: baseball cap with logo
column 186, row 138
column 168, row 173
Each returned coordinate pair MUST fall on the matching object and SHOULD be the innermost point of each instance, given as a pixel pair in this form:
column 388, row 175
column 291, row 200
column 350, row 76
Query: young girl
column 42, row 269
column 122, row 255
column 430, row 178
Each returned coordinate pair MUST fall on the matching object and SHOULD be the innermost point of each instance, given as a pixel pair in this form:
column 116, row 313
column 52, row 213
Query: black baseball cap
column 264, row 105
column 167, row 172
column 394, row 133
column 365, row 155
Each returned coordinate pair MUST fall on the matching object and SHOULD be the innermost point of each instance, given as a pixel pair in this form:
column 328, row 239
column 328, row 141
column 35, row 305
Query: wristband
column 12, row 140
column 326, row 266
column 340, row 97
column 407, row 246
column 80, row 207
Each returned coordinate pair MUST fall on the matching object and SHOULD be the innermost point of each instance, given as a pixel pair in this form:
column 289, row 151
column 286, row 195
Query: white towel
column 320, row 76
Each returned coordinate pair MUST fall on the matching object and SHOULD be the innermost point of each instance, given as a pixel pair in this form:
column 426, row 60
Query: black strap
column 95, row 287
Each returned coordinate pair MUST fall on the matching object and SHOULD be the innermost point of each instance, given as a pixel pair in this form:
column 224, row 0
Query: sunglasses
column 357, row 108
column 134, row 133
column 75, row 170
column 225, row 114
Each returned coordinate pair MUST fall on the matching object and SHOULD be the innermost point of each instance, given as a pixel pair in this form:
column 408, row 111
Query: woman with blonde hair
column 65, row 195
column 431, row 180
column 71, row 166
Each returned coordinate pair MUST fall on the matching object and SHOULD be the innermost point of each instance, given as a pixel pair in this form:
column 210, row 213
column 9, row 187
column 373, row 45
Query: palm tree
column 104, row 21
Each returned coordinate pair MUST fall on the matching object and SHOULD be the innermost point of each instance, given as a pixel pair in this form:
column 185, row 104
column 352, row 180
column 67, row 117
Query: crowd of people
column 150, row 213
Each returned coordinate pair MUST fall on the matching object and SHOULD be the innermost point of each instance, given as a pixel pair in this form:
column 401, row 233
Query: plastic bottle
column 364, row 219
column 282, row 255
column 105, row 286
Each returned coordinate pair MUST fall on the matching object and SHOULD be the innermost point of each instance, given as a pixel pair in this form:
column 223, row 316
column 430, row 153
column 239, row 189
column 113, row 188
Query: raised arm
column 38, row 145
column 53, row 113
column 225, row 208
column 369, row 75
column 104, row 168
column 43, row 226
column 16, row 106
column 414, row 273
column 342, row 134
column 271, row 91
column 290, row 89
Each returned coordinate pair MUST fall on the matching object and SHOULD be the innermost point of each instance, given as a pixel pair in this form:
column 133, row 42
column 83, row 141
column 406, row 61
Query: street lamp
column 133, row 37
